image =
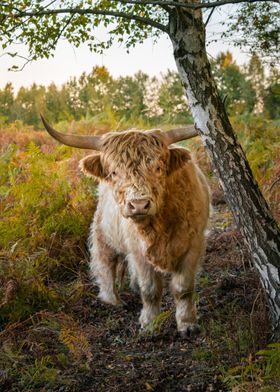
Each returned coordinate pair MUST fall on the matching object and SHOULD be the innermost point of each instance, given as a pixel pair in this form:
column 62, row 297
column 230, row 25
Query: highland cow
column 152, row 213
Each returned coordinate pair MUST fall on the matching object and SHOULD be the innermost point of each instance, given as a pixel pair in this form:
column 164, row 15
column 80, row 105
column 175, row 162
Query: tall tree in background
column 28, row 104
column 55, row 104
column 172, row 99
column 272, row 94
column 39, row 25
column 94, row 91
column 6, row 102
column 256, row 25
column 257, row 78
column 72, row 96
column 236, row 90
column 128, row 95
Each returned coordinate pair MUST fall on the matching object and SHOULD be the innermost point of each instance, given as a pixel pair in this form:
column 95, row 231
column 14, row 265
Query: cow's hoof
column 192, row 330
column 144, row 322
column 146, row 319
column 110, row 299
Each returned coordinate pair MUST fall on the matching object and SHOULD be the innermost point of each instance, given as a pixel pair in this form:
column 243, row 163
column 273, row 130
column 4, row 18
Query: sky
column 151, row 58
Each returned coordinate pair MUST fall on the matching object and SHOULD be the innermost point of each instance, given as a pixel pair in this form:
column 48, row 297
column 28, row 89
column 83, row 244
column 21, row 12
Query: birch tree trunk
column 247, row 204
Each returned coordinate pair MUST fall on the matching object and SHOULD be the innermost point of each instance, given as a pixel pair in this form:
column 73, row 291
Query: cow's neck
column 158, row 225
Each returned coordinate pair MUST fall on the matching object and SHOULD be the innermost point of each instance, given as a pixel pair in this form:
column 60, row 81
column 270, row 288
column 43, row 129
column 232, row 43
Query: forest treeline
column 155, row 100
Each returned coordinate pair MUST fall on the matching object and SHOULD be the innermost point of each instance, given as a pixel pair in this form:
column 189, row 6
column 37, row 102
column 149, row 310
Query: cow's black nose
column 139, row 206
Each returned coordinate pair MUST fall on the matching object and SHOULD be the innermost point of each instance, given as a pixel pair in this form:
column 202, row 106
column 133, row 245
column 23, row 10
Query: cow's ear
column 178, row 158
column 91, row 166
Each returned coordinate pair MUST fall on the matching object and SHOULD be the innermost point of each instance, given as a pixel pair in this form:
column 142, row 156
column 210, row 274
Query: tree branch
column 15, row 68
column 274, row 183
column 209, row 16
column 93, row 11
column 63, row 29
column 16, row 26
column 162, row 3
column 192, row 6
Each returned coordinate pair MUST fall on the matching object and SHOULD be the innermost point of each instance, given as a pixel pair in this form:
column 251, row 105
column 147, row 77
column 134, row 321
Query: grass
column 51, row 326
column 260, row 139
column 261, row 373
column 46, row 207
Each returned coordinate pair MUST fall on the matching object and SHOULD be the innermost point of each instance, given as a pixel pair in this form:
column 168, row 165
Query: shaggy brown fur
column 169, row 237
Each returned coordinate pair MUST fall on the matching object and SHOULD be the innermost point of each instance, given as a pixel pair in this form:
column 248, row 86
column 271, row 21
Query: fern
column 257, row 374
column 158, row 323
column 76, row 342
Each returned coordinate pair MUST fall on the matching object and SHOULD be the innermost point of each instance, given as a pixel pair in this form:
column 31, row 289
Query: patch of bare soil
column 233, row 319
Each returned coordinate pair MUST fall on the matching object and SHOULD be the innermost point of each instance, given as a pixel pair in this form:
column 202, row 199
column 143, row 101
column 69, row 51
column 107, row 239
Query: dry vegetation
column 56, row 336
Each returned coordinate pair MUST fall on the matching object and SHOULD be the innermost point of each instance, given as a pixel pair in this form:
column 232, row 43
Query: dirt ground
column 121, row 358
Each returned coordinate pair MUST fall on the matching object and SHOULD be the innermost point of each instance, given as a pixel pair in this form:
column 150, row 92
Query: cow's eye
column 113, row 174
column 158, row 169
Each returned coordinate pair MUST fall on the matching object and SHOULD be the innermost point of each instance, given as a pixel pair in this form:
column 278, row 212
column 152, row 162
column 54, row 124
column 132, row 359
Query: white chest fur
column 120, row 233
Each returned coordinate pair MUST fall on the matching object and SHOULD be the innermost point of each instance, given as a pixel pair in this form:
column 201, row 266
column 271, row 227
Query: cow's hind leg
column 103, row 268
column 150, row 285
column 183, row 286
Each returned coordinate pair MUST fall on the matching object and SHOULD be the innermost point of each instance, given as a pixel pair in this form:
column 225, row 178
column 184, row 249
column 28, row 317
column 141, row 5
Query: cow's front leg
column 150, row 285
column 183, row 286
column 134, row 285
column 103, row 265
column 183, row 291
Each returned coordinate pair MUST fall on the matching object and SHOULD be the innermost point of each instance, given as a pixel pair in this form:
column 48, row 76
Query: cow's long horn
column 178, row 134
column 79, row 141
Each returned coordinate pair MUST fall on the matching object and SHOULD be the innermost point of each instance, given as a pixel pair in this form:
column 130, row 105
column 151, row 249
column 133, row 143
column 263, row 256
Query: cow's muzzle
column 138, row 208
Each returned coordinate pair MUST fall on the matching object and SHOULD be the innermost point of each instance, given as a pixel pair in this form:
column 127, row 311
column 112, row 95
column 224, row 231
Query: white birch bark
column 248, row 206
